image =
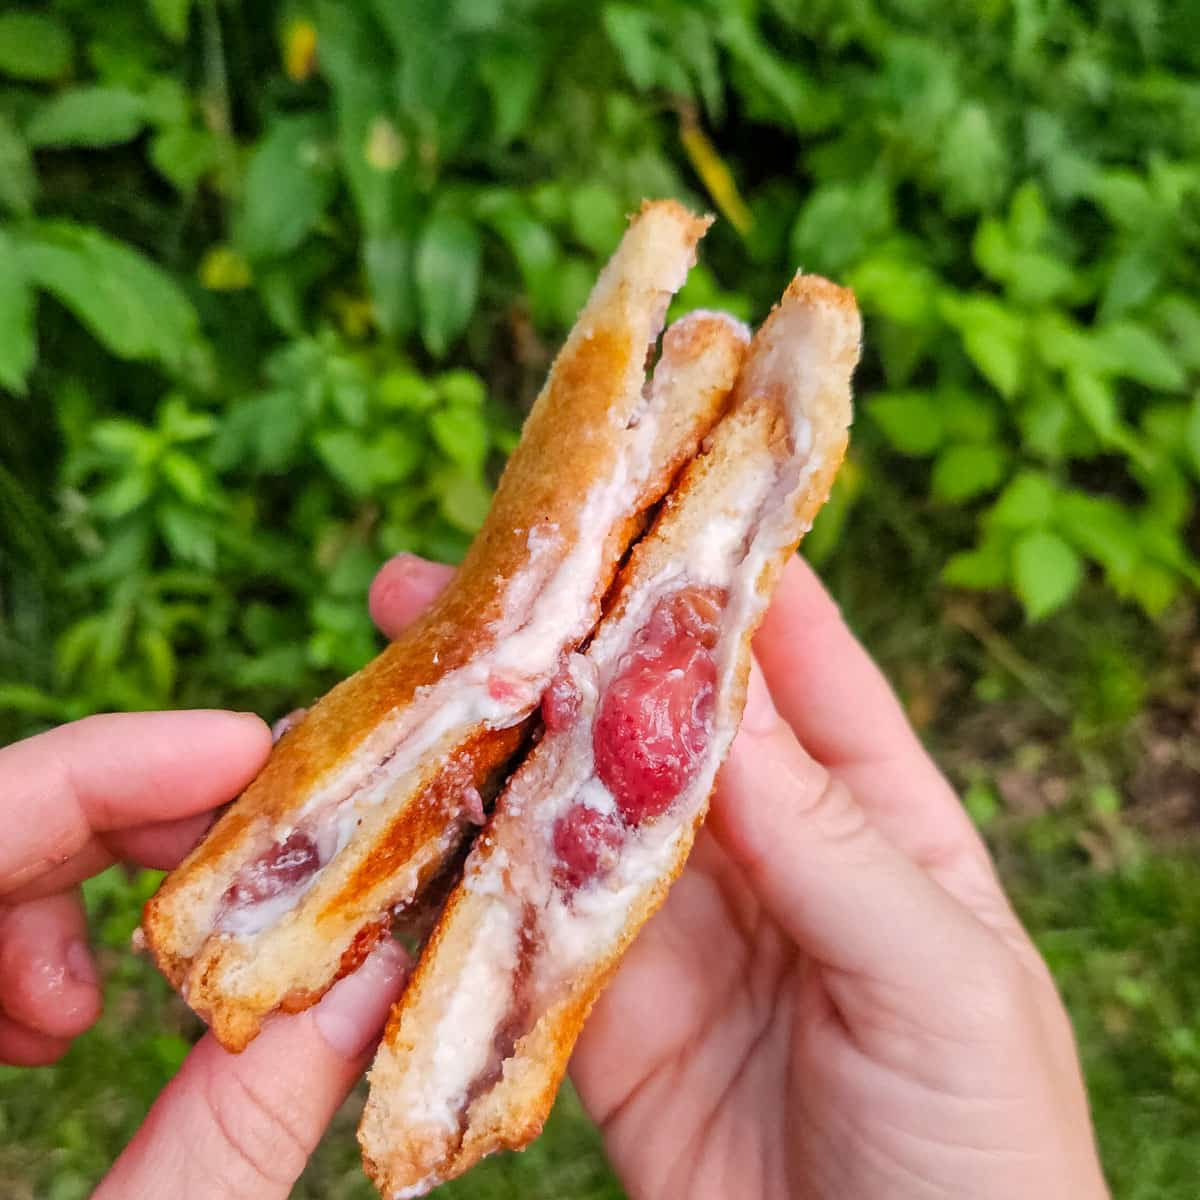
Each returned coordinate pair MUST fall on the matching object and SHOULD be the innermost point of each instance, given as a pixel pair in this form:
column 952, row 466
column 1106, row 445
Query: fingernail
column 80, row 964
column 760, row 715
column 351, row 1015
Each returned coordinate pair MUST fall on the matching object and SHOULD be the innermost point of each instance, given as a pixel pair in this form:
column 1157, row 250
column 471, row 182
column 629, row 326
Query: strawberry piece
column 655, row 717
column 586, row 842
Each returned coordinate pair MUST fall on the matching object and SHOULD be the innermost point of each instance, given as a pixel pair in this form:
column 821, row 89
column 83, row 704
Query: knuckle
column 834, row 813
column 263, row 1134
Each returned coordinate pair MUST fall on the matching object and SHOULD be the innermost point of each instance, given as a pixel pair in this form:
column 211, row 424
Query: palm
column 686, row 1052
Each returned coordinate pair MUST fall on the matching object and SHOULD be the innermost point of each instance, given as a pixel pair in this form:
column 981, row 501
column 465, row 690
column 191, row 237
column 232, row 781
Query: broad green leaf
column 911, row 421
column 1028, row 500
column 597, row 217
column 985, row 566
column 18, row 349
column 973, row 161
column 1132, row 350
column 18, row 183
column 967, row 416
column 461, row 388
column 183, row 154
column 289, row 182
column 1046, row 572
column 513, row 76
column 88, row 116
column 33, row 46
column 186, row 477
column 189, row 535
column 1133, row 278
column 1027, row 216
column 388, row 259
column 464, row 501
column 124, row 494
column 629, row 28
column 462, row 435
column 840, row 222
column 172, row 17
column 345, row 453
column 965, row 471
column 404, row 389
column 393, row 457
column 448, row 257
column 993, row 336
column 130, row 304
column 1192, row 435
column 901, row 288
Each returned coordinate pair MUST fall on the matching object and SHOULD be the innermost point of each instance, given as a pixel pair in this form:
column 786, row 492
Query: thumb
column 829, row 878
column 243, row 1125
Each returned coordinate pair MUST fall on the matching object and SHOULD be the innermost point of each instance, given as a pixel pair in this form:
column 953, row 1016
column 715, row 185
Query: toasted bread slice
column 590, row 832
column 364, row 799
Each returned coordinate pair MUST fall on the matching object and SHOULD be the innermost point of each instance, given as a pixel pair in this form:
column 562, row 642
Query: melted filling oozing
column 651, row 730
column 655, row 717
column 286, row 866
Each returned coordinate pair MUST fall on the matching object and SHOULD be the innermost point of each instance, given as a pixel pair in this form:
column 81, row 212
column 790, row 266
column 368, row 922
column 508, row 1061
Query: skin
column 855, row 1010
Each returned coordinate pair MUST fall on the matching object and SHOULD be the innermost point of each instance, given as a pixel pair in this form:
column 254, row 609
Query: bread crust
column 577, row 436
column 795, row 384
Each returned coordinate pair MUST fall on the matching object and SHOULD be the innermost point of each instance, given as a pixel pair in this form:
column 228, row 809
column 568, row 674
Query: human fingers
column 115, row 772
column 404, row 587
column 834, row 883
column 48, row 981
column 243, row 1125
column 21, row 1046
column 843, row 711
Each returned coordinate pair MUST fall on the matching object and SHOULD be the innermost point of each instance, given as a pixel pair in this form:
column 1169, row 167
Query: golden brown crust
column 575, row 435
column 795, row 384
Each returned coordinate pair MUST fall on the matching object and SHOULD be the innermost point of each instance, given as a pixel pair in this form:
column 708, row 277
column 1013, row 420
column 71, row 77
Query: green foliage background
column 277, row 282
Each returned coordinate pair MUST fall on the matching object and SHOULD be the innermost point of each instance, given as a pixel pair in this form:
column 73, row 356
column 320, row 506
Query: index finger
column 845, row 714
column 114, row 772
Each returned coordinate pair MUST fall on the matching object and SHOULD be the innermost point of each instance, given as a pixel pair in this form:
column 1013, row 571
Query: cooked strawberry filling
column 560, row 702
column 655, row 717
column 286, row 866
column 586, row 842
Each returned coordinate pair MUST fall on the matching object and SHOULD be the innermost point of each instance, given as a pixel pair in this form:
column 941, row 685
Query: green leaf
column 513, row 77
column 344, row 453
column 986, row 566
column 597, row 218
column 462, row 436
column 18, row 183
column 127, row 492
column 967, row 416
column 34, row 46
column 629, row 29
column 1192, row 435
column 393, row 457
column 965, row 471
column 289, row 182
column 1046, row 572
column 88, row 116
column 188, row 534
column 899, row 287
column 447, row 274
column 404, row 389
column 840, row 223
column 172, row 17
column 388, row 259
column 186, row 477
column 131, row 305
column 461, row 387
column 972, row 161
column 18, row 348
column 183, row 155
column 911, row 421
column 1027, row 501
column 1027, row 216
column 1132, row 350
column 463, row 500
column 993, row 336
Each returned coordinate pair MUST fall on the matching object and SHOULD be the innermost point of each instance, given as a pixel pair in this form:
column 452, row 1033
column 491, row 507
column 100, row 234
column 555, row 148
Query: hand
column 837, row 999
column 141, row 788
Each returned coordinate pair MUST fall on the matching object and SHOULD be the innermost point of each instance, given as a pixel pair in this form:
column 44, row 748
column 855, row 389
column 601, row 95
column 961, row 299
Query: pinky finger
column 21, row 1046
